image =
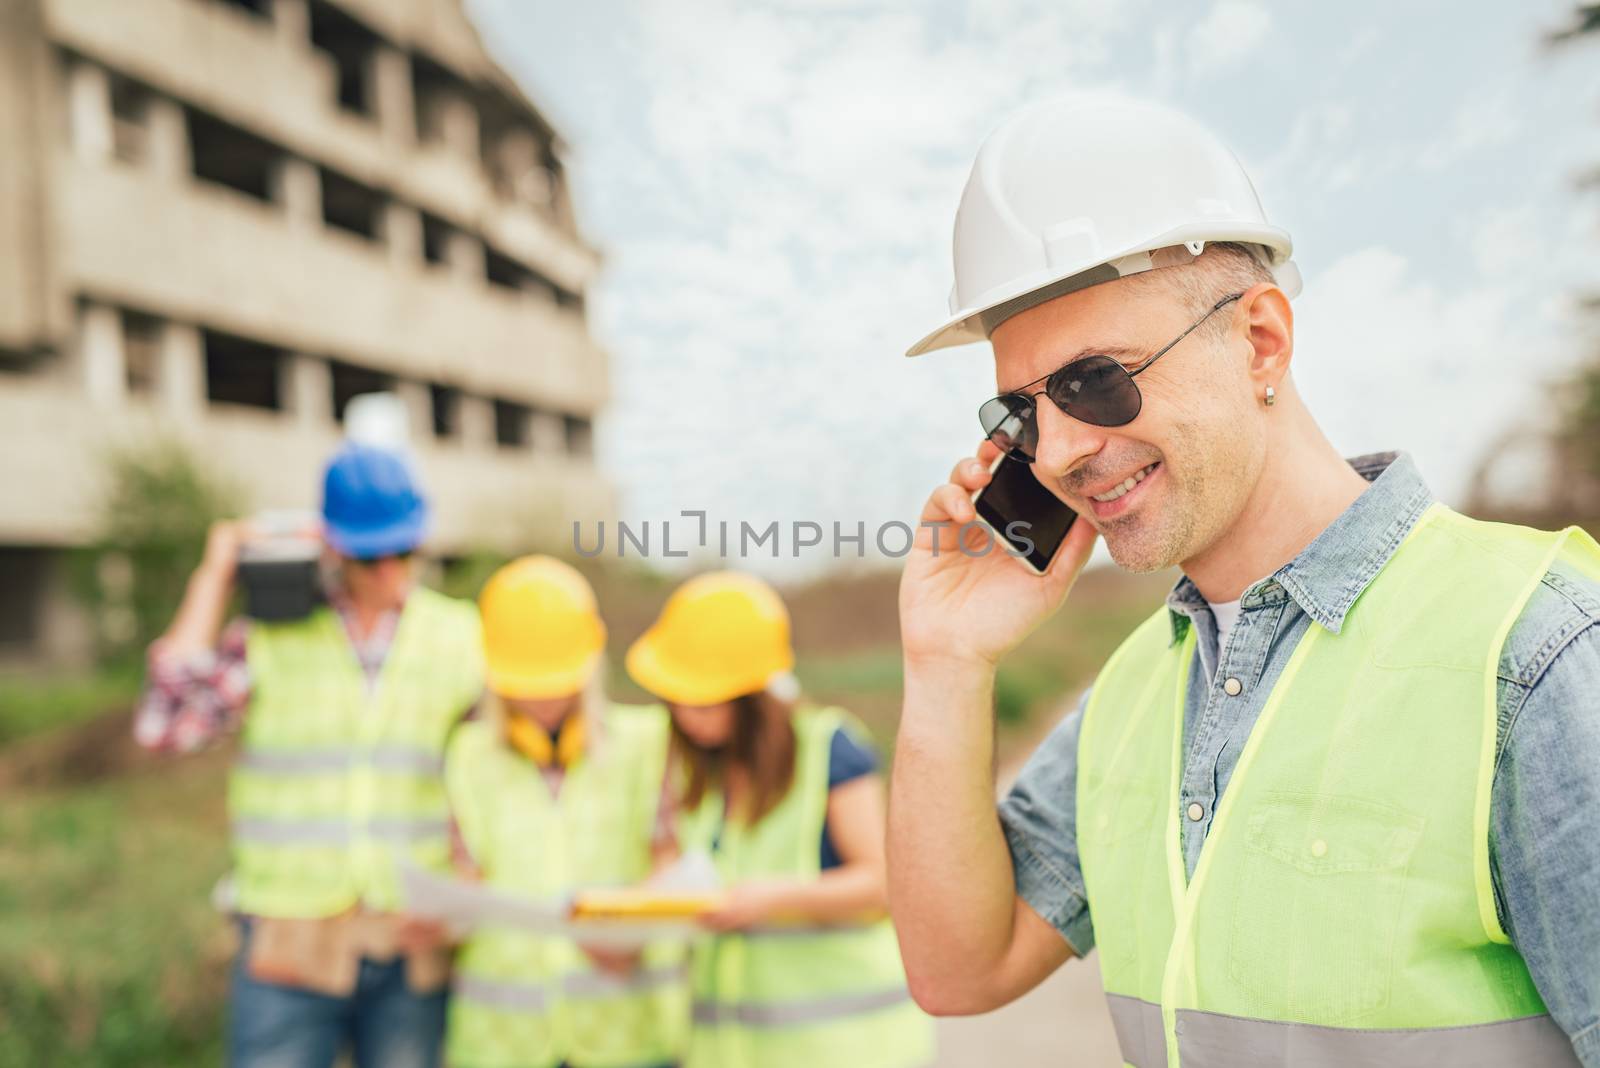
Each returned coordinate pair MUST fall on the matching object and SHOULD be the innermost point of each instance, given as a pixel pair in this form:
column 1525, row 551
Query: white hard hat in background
column 379, row 420
column 1087, row 188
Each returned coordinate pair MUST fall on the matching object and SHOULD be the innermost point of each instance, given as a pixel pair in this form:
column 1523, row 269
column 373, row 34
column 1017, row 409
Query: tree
column 158, row 504
column 1578, row 440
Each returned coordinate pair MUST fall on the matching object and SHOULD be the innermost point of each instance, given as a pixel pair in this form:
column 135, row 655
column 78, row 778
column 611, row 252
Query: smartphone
column 1024, row 515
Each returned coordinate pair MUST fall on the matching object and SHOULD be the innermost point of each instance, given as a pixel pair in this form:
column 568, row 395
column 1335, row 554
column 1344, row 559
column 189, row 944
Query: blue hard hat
column 371, row 504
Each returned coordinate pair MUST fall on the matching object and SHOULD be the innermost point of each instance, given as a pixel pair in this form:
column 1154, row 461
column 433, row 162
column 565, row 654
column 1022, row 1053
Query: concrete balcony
column 53, row 445
column 239, row 68
column 208, row 255
column 426, row 24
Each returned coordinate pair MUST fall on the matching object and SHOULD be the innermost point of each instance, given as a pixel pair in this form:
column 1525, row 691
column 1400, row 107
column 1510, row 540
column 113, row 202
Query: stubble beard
column 1164, row 533
column 1146, row 543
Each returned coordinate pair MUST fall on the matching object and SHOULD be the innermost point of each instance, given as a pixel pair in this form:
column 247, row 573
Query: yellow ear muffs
column 533, row 741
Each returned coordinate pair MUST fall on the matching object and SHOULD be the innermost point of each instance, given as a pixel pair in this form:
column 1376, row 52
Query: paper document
column 662, row 909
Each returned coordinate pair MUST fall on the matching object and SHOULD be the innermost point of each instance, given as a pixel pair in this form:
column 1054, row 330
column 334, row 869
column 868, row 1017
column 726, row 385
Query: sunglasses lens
column 1008, row 422
column 373, row 561
column 1096, row 390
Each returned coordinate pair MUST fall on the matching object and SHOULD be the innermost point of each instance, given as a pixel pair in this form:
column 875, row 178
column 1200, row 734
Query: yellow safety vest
column 787, row 996
column 1341, row 911
column 333, row 786
column 522, row 1000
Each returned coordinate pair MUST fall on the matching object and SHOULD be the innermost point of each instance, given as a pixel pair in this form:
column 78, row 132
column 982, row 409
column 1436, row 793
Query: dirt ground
column 1062, row 1023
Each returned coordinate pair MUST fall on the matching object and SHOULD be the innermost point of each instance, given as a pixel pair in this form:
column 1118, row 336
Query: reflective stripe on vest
column 1215, row 1040
column 527, row 999
column 317, row 832
column 337, row 784
column 501, row 993
column 598, row 984
column 796, row 995
column 790, row 1013
column 407, row 759
column 536, row 997
column 1342, row 898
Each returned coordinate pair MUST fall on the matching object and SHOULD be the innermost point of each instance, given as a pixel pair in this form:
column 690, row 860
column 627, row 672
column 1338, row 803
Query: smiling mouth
column 1124, row 486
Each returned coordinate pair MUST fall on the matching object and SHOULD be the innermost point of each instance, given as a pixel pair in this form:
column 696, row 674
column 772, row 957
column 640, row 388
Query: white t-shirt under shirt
column 1225, row 614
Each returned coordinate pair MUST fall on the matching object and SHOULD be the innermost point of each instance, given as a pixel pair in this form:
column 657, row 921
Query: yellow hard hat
column 542, row 634
column 720, row 635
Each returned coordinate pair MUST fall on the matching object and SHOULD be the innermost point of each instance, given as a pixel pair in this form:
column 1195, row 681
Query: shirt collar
column 1328, row 575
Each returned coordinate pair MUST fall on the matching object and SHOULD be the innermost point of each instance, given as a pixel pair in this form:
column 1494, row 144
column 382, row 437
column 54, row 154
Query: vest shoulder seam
column 1534, row 643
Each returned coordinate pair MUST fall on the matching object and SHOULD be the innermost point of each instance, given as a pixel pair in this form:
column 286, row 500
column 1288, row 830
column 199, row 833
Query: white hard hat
column 1086, row 188
column 379, row 420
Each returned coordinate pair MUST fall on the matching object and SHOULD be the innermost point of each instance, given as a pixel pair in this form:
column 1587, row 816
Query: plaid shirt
column 191, row 701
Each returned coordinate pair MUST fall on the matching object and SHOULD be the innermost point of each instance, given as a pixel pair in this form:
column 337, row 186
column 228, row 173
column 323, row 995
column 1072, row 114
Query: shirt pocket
column 1317, row 905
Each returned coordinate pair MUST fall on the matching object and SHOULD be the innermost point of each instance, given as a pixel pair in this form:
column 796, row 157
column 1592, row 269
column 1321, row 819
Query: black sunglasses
column 372, row 561
column 1095, row 389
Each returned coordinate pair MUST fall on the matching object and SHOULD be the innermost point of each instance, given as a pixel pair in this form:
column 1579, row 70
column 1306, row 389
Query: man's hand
column 959, row 606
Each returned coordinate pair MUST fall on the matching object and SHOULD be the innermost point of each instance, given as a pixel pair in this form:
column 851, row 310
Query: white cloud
column 1482, row 121
column 774, row 183
column 814, row 166
column 1231, row 31
column 1388, row 359
column 1506, row 241
column 1320, row 151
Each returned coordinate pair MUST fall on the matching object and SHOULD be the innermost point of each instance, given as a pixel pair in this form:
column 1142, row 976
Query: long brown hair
column 762, row 745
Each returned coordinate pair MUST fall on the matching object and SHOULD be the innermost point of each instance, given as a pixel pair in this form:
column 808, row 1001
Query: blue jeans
column 381, row 1022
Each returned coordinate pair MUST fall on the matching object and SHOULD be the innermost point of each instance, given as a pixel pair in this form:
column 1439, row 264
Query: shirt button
column 1232, row 687
column 1197, row 811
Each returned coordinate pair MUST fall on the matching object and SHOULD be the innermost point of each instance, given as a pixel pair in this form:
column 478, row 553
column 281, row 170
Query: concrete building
column 221, row 219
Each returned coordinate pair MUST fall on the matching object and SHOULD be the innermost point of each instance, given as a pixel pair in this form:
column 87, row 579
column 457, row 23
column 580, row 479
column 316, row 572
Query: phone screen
column 1024, row 514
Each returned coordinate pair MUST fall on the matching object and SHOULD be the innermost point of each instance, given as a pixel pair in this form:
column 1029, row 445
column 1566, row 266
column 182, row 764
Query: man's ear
column 1269, row 327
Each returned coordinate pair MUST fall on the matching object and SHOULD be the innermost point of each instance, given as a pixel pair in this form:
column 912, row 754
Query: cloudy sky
column 773, row 184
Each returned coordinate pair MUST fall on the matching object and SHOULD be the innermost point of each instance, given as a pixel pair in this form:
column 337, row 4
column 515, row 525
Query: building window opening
column 226, row 155
column 501, row 270
column 446, row 404
column 350, row 206
column 518, row 158
column 579, row 435
column 239, row 371
column 141, row 353
column 445, row 111
column 26, row 574
column 129, row 120
column 350, row 381
column 512, row 423
column 350, row 45
column 259, row 8
column 435, row 239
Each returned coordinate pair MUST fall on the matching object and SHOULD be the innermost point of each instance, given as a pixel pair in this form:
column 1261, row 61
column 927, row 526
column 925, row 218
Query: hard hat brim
column 659, row 676
column 967, row 325
column 399, row 537
column 536, row 685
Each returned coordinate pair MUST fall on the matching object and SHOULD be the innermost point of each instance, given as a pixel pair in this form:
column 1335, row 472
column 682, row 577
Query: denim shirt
column 1544, row 849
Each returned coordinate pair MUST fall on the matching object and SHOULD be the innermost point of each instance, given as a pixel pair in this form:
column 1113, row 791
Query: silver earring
column 1272, row 397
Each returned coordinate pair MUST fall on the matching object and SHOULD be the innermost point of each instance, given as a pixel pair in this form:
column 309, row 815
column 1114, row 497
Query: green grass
column 109, row 952
column 30, row 703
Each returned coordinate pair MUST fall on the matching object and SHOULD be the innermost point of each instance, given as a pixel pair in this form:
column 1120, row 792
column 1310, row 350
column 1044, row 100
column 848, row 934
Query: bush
column 159, row 503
